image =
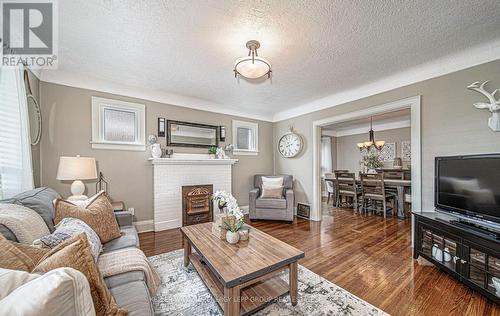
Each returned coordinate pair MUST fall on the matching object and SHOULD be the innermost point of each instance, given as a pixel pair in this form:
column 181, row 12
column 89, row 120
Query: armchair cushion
column 271, row 203
column 287, row 180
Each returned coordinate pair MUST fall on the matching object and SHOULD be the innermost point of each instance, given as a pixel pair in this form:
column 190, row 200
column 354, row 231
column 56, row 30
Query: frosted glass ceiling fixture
column 252, row 66
column 371, row 143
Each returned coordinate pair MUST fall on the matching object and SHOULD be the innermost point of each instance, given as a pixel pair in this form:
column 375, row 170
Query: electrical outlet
column 131, row 210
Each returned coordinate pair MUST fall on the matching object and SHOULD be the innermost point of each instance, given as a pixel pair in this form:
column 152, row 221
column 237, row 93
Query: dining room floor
column 366, row 255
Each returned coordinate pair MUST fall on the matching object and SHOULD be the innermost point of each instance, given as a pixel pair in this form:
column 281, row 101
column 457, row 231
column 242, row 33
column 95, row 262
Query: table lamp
column 77, row 169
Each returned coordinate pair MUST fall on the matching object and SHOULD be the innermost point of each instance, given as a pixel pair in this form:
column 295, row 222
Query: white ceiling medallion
column 252, row 66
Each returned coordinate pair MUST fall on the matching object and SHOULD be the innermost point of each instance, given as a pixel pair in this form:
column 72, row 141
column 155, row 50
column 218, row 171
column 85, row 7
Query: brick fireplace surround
column 171, row 174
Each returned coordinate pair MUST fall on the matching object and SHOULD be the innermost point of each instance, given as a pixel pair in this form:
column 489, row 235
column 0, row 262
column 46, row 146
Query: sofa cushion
column 123, row 278
column 134, row 297
column 270, row 203
column 41, row 201
column 129, row 238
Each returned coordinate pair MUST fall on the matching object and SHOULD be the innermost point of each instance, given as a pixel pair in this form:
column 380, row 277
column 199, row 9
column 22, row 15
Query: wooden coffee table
column 243, row 277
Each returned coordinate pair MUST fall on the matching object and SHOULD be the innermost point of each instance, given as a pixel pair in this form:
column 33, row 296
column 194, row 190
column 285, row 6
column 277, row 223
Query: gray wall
column 67, row 131
column 450, row 125
column 348, row 155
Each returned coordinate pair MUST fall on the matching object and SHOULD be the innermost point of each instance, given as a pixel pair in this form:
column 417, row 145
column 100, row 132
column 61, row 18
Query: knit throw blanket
column 26, row 224
column 126, row 260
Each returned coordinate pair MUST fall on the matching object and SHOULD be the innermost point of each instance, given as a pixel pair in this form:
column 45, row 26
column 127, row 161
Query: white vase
column 156, row 151
column 232, row 238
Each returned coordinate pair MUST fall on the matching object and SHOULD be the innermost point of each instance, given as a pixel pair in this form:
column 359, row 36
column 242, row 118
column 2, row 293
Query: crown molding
column 364, row 129
column 469, row 58
column 72, row 79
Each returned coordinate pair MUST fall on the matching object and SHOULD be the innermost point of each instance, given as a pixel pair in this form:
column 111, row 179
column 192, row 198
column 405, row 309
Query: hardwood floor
column 366, row 255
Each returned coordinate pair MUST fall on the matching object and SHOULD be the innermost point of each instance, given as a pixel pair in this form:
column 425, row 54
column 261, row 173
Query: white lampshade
column 76, row 168
column 252, row 69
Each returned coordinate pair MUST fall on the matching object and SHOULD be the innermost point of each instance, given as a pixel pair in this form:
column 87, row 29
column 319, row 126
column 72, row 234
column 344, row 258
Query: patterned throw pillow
column 98, row 214
column 75, row 253
column 67, row 228
column 13, row 258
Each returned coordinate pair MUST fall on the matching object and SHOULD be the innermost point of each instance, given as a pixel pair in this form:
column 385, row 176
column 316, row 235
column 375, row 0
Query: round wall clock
column 290, row 144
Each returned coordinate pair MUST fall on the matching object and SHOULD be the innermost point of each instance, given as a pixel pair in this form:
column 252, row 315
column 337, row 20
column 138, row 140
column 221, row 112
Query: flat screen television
column 469, row 185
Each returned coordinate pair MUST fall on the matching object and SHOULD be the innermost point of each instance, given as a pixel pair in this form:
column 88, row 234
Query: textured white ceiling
column 185, row 50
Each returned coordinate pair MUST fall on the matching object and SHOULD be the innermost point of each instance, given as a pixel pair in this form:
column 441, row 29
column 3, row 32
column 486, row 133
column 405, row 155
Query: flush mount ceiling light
column 371, row 143
column 252, row 66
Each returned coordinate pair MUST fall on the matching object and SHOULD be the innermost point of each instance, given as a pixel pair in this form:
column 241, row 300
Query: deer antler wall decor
column 493, row 106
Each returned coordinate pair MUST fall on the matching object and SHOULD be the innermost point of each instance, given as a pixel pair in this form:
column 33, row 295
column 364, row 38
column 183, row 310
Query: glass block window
column 246, row 138
column 117, row 124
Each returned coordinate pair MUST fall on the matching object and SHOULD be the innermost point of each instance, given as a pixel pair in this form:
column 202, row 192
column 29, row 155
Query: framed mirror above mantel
column 186, row 134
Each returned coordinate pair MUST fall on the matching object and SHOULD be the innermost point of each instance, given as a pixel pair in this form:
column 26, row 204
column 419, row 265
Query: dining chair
column 330, row 187
column 373, row 194
column 347, row 188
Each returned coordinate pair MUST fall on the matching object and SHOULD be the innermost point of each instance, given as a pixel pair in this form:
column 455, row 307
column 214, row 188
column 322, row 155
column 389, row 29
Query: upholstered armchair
column 272, row 208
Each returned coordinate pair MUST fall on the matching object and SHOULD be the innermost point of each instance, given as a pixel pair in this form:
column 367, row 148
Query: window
column 16, row 173
column 118, row 124
column 326, row 155
column 245, row 138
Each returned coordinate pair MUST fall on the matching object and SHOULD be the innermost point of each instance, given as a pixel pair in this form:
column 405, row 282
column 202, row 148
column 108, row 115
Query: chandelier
column 252, row 66
column 371, row 143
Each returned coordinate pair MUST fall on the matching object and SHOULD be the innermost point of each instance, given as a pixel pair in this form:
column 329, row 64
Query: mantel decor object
column 154, row 146
column 186, row 134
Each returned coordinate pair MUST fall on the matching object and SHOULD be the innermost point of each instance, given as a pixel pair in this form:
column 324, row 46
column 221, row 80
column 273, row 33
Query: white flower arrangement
column 226, row 200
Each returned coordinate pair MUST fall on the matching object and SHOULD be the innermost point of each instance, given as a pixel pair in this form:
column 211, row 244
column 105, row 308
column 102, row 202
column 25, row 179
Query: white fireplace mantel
column 192, row 161
column 170, row 174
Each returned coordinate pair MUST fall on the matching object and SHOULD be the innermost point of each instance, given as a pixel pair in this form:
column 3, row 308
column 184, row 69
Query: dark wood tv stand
column 470, row 255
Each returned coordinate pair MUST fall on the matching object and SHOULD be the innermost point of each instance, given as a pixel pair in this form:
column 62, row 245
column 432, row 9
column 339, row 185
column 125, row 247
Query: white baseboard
column 144, row 226
column 164, row 225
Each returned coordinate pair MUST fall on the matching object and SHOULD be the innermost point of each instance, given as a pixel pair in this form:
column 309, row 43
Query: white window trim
column 98, row 142
column 246, row 152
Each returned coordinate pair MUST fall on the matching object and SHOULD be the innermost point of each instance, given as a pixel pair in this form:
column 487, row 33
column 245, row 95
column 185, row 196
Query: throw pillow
column 34, row 253
column 271, row 192
column 40, row 200
column 13, row 258
column 12, row 279
column 272, row 181
column 26, row 224
column 62, row 291
column 67, row 228
column 98, row 214
column 75, row 253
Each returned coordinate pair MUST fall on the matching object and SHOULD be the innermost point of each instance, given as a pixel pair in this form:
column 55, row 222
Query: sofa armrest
column 124, row 218
column 290, row 200
column 254, row 194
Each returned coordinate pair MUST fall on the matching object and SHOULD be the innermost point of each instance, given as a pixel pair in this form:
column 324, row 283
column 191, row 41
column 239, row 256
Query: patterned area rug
column 182, row 292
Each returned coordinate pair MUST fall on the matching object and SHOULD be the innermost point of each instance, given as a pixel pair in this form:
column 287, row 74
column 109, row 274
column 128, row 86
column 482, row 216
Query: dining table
column 399, row 184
